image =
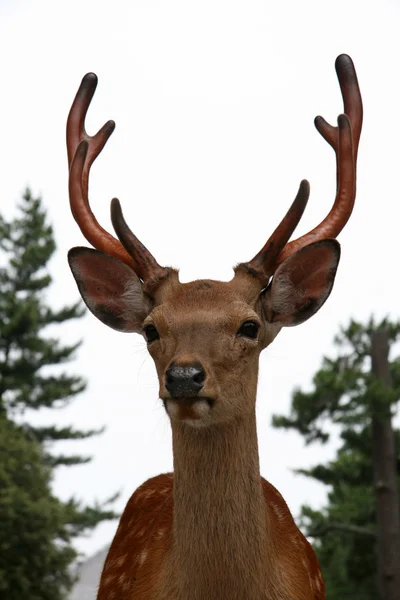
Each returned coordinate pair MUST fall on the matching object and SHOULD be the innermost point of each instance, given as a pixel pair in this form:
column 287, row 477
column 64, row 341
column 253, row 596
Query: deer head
column 206, row 336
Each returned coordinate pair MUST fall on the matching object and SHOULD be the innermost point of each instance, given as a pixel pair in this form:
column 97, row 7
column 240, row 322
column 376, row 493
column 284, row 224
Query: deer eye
column 151, row 334
column 249, row 329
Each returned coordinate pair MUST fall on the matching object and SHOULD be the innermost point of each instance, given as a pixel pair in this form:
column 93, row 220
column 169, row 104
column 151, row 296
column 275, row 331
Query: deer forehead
column 203, row 304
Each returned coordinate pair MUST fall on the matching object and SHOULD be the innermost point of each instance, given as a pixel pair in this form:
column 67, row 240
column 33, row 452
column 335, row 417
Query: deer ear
column 110, row 289
column 301, row 284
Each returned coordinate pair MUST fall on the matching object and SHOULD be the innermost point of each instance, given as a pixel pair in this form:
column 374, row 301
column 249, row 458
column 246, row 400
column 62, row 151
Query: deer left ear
column 110, row 289
column 301, row 284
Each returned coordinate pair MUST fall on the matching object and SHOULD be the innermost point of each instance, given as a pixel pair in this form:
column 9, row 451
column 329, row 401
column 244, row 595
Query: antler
column 344, row 140
column 83, row 150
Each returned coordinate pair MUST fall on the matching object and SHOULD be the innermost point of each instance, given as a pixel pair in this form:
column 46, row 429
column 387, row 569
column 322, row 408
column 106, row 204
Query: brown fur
column 138, row 563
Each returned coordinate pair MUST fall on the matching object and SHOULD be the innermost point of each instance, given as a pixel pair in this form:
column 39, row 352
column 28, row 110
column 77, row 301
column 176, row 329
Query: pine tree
column 32, row 376
column 351, row 392
column 345, row 530
column 35, row 548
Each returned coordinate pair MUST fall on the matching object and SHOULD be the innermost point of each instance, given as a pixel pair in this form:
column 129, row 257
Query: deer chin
column 195, row 412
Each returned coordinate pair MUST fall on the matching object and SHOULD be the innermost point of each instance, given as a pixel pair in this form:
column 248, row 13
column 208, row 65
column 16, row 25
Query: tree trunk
column 385, row 477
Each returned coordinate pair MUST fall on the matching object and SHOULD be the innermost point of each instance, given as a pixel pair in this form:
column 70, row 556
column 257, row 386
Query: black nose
column 184, row 381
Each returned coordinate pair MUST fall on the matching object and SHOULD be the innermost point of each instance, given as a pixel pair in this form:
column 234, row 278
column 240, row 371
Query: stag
column 214, row 529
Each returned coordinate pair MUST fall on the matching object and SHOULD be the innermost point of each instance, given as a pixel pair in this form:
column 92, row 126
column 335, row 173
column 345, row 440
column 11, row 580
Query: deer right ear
column 301, row 284
column 110, row 289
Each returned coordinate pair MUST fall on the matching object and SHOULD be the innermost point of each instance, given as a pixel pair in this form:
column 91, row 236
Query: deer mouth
column 190, row 410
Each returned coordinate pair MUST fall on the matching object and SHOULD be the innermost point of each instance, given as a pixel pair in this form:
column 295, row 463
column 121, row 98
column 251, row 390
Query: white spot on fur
column 122, row 578
column 146, row 494
column 109, row 579
column 120, row 560
column 138, row 533
column 296, row 540
column 277, row 510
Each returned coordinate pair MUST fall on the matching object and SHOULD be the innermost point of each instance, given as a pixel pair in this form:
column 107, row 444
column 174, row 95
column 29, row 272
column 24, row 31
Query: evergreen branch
column 51, row 392
column 65, row 461
column 75, row 311
column 46, row 434
column 81, row 518
column 322, row 530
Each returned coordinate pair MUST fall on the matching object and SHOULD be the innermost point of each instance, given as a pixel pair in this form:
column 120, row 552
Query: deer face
column 205, row 337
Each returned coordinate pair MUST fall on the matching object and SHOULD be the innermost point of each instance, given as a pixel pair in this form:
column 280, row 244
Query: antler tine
column 76, row 122
column 91, row 229
column 83, row 150
column 342, row 208
column 262, row 265
column 352, row 102
column 344, row 140
column 146, row 266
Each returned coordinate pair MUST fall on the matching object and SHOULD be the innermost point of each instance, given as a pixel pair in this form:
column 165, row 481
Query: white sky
column 214, row 103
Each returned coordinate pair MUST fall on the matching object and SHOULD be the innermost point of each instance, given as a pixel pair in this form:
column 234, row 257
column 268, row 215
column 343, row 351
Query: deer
column 214, row 529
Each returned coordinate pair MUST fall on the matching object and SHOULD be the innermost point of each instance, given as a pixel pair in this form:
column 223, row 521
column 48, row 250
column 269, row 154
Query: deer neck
column 219, row 512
